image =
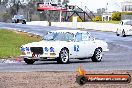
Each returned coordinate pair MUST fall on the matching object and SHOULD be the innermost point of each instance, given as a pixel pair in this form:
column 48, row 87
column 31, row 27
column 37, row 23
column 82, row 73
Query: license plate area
column 36, row 50
column 35, row 55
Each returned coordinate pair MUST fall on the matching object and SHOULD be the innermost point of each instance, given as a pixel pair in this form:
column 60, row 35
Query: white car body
column 19, row 18
column 83, row 48
column 125, row 28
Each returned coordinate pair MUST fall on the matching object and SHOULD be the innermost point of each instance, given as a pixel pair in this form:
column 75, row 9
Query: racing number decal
column 76, row 48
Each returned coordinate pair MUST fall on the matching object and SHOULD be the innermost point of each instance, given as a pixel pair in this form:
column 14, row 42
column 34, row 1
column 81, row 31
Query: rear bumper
column 106, row 50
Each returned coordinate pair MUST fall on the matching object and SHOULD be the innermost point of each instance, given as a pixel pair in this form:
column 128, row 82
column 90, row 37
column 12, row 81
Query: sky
column 93, row 5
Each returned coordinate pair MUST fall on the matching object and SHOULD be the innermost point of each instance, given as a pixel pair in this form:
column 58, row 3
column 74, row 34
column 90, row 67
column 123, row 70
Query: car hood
column 43, row 43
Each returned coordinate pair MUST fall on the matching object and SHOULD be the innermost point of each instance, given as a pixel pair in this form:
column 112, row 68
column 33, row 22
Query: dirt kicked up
column 53, row 80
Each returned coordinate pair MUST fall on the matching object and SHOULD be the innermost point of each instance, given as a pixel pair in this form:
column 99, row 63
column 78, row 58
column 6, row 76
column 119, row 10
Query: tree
column 13, row 7
column 97, row 18
column 116, row 16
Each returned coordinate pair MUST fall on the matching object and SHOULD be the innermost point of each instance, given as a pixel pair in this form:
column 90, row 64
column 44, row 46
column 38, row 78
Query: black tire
column 17, row 21
column 97, row 56
column 117, row 33
column 24, row 22
column 123, row 33
column 81, row 80
column 29, row 61
column 63, row 56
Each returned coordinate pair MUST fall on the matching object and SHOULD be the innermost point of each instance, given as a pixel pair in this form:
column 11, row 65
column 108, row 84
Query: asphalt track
column 118, row 58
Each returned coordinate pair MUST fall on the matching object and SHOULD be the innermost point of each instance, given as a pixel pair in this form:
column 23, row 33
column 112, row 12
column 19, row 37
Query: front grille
column 37, row 50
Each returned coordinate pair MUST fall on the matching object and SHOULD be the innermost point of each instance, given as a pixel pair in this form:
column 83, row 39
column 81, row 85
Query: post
column 74, row 22
column 60, row 15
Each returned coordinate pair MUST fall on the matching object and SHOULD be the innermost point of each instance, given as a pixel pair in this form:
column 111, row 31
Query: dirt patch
column 53, row 80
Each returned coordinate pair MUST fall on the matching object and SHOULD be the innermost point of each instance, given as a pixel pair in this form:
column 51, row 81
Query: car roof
column 71, row 31
column 126, row 20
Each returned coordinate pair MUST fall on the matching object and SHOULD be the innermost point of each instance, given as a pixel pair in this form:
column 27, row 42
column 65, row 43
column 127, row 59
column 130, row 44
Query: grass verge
column 113, row 22
column 11, row 41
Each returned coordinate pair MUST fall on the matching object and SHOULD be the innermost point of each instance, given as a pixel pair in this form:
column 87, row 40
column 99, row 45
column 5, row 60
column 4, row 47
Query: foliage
column 78, row 19
column 116, row 16
column 126, row 13
column 5, row 17
column 11, row 41
column 97, row 18
column 113, row 22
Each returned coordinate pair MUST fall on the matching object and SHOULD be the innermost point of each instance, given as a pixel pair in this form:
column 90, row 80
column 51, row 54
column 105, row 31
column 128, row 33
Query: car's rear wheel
column 123, row 33
column 29, row 61
column 24, row 22
column 63, row 56
column 117, row 32
column 97, row 56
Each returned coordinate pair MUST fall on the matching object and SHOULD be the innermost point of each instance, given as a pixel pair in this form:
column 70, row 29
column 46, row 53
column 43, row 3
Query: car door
column 90, row 44
column 130, row 29
column 78, row 50
column 127, row 27
column 83, row 47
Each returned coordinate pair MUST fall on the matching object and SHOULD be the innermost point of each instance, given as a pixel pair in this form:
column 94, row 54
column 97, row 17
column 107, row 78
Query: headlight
column 46, row 49
column 22, row 49
column 52, row 49
column 27, row 48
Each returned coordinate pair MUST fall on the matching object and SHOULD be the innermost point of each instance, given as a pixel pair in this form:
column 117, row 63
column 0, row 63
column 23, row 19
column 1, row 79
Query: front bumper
column 48, row 56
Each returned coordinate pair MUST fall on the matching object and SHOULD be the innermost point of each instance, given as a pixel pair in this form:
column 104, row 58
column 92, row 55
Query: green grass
column 11, row 41
column 114, row 22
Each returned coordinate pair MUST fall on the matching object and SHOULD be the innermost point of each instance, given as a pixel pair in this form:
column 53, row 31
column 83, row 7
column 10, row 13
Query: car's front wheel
column 29, row 61
column 24, row 22
column 63, row 56
column 123, row 33
column 97, row 56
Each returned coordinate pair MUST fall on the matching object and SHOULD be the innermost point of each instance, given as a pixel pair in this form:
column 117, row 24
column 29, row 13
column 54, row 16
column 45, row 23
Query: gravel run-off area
column 54, row 80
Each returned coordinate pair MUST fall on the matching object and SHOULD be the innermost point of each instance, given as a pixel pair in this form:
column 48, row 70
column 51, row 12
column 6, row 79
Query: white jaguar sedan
column 125, row 28
column 62, row 45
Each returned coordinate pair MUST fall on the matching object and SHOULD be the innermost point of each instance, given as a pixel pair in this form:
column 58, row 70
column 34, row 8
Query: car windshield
column 52, row 36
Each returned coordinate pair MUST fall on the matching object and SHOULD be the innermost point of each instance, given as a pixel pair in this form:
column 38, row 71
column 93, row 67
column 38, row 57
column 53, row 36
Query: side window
column 69, row 36
column 85, row 37
column 78, row 37
column 49, row 36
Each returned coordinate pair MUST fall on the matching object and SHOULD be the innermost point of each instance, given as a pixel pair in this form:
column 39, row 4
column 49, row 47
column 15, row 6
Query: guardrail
column 81, row 25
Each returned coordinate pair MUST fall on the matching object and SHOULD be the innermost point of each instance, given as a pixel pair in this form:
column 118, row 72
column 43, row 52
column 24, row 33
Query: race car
column 125, row 28
column 62, row 45
column 19, row 19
